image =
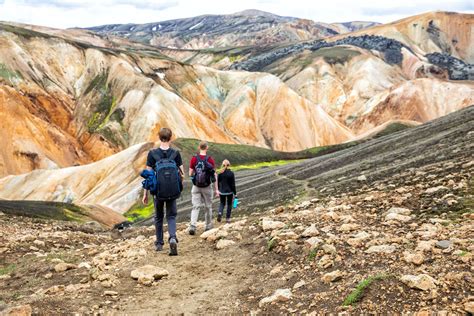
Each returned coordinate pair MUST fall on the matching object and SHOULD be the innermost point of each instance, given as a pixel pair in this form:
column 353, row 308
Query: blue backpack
column 168, row 181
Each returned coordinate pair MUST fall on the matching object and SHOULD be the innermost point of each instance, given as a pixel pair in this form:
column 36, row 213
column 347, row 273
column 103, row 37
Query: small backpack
column 203, row 169
column 167, row 177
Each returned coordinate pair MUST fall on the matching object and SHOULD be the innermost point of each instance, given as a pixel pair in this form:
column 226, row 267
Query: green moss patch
column 139, row 212
column 45, row 210
column 7, row 269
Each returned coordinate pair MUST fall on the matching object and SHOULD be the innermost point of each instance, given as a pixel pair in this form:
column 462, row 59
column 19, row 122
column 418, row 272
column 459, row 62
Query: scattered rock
column 299, row 284
column 21, row 310
column 398, row 210
column 397, row 217
column 435, row 189
column 280, row 295
column 332, row 276
column 330, row 249
column 313, row 242
column 268, row 224
column 358, row 239
column 422, row 281
column 39, row 243
column 325, row 262
column 444, row 244
column 415, row 258
column 348, row 227
column 469, row 307
column 362, row 178
column 276, row 270
column 111, row 293
column 311, row 231
column 425, row 245
column 148, row 272
column 62, row 266
column 48, row 275
column 381, row 249
column 224, row 243
column 210, row 234
column 84, row 265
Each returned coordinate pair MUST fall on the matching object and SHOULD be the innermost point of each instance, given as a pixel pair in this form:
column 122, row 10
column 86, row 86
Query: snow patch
column 197, row 25
column 160, row 75
column 154, row 28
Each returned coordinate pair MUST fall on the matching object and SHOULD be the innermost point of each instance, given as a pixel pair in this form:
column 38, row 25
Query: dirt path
column 201, row 280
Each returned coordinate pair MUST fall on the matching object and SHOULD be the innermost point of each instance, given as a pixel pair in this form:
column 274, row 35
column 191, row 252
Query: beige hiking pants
column 201, row 197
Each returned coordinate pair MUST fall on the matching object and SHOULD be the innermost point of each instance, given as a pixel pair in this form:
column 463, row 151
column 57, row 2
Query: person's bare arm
column 191, row 172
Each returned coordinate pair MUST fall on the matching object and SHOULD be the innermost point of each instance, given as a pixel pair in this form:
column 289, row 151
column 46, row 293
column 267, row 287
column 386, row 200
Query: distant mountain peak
column 254, row 12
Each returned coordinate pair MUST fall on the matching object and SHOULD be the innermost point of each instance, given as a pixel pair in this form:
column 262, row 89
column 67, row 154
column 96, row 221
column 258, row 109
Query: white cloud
column 82, row 13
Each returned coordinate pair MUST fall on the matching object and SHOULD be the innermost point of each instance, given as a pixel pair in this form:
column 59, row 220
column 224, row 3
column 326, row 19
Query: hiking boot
column 158, row 247
column 227, row 221
column 173, row 247
column 192, row 231
column 219, row 217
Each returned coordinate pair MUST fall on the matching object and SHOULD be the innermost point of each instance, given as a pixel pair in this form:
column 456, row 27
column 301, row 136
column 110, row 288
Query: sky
column 83, row 13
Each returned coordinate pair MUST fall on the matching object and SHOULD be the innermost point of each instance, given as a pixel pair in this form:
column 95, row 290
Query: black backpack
column 203, row 171
column 167, row 176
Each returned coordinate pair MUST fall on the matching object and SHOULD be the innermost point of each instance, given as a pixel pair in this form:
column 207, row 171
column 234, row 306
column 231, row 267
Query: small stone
column 224, row 243
column 362, row 178
column 325, row 262
column 48, row 275
column 425, row 245
column 469, row 307
column 443, row 244
column 21, row 310
column 62, row 266
column 145, row 280
column 268, row 224
column 348, row 227
column 435, row 189
column 210, row 234
column 329, row 249
column 423, row 282
column 39, row 243
column 276, row 270
column 381, row 249
column 299, row 284
column 397, row 217
column 332, row 276
column 111, row 293
column 398, row 210
column 84, row 265
column 415, row 258
column 280, row 295
column 311, row 231
column 313, row 242
column 149, row 272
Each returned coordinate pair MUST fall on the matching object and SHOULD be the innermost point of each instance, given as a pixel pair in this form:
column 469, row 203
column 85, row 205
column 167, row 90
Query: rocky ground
column 387, row 240
column 384, row 227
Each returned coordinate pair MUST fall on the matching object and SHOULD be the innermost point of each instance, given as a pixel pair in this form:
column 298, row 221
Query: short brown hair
column 165, row 134
column 203, row 145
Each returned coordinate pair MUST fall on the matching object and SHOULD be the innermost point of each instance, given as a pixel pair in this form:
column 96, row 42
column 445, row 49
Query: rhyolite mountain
column 249, row 27
column 65, row 102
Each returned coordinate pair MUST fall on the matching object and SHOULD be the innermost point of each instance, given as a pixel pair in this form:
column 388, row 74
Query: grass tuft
column 312, row 254
column 8, row 269
column 271, row 244
column 139, row 212
column 357, row 294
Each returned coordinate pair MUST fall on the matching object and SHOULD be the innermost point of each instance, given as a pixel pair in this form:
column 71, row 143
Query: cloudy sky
column 81, row 13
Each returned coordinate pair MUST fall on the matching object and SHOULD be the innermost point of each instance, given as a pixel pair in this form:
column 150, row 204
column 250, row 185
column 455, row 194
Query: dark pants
column 226, row 199
column 171, row 213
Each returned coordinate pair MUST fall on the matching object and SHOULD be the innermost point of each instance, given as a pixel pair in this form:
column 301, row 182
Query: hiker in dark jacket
column 227, row 191
column 154, row 160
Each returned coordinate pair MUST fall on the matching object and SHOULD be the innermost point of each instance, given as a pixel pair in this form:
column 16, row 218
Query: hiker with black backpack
column 164, row 175
column 204, row 178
